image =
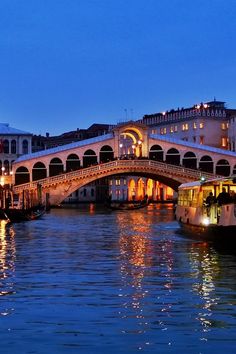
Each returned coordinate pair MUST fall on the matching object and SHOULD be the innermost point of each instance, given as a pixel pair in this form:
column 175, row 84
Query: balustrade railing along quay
column 116, row 165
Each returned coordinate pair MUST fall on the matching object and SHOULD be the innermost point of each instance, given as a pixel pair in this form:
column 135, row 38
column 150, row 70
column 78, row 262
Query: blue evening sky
column 66, row 64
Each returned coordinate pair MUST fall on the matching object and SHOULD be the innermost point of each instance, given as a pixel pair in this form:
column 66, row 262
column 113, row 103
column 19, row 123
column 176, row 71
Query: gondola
column 14, row 215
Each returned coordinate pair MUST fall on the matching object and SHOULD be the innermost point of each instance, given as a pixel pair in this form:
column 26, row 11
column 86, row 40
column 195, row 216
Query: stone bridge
column 55, row 189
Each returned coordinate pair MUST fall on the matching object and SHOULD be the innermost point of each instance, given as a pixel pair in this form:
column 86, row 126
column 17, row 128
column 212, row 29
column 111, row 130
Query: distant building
column 40, row 142
column 232, row 133
column 204, row 123
column 13, row 143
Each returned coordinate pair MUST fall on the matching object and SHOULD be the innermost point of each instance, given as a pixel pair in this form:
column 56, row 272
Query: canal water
column 88, row 280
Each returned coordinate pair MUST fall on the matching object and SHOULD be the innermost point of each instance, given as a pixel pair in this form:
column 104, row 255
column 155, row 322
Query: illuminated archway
column 140, row 189
column 130, row 143
column 132, row 189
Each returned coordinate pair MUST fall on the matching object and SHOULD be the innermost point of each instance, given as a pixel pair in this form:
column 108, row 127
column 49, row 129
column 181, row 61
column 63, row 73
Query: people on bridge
column 223, row 197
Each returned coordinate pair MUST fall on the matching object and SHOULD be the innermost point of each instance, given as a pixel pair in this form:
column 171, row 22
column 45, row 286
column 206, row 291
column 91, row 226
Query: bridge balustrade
column 117, row 166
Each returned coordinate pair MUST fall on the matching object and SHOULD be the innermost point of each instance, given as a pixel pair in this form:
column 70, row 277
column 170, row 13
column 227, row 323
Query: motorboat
column 214, row 219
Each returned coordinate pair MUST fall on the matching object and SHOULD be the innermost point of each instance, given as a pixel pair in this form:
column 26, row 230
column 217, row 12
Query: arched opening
column 206, row 164
column 25, row 147
column 132, row 190
column 6, row 146
column 173, row 157
column 106, row 154
column 72, row 163
column 6, row 166
column 89, row 158
column 140, row 189
column 223, row 168
column 55, row 167
column 22, row 175
column 156, row 153
column 150, row 188
column 234, row 170
column 189, row 160
column 13, row 146
column 39, row 171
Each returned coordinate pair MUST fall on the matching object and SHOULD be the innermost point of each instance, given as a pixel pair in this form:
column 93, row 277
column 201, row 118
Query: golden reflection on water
column 205, row 269
column 7, row 257
column 138, row 255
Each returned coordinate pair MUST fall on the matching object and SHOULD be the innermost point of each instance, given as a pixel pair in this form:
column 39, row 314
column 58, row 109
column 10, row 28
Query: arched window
column 7, row 167
column 13, row 146
column 6, row 146
column 25, row 147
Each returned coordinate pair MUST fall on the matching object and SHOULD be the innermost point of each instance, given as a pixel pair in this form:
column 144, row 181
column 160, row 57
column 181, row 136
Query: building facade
column 205, row 124
column 13, row 143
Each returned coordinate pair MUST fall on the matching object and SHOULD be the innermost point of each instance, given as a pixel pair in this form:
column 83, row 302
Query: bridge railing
column 116, row 164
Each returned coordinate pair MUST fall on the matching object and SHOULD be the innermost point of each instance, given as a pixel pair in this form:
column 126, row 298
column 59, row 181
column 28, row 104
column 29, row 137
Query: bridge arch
column 206, row 164
column 173, row 156
column 72, row 162
column 156, row 153
column 55, row 167
column 89, row 158
column 106, row 154
column 39, row 171
column 223, row 167
column 189, row 160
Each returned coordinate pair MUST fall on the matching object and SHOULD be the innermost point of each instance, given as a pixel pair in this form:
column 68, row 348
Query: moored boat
column 17, row 215
column 128, row 206
column 207, row 209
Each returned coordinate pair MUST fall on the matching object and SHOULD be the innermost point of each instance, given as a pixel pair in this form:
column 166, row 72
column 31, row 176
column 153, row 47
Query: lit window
column 223, row 126
column 224, row 142
column 172, row 129
column 185, row 126
column 194, row 125
column 201, row 140
column 201, row 125
column 176, row 128
column 117, row 182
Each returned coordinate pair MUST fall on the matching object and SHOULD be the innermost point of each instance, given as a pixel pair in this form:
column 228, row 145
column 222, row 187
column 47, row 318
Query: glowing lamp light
column 198, row 106
column 205, row 221
column 121, row 145
column 139, row 142
column 202, row 179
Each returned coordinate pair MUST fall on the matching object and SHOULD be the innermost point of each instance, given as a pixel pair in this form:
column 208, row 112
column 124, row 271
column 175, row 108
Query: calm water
column 88, row 280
